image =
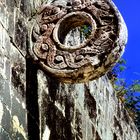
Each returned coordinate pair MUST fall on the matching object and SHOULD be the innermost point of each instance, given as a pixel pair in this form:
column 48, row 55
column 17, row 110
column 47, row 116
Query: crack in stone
column 14, row 44
column 11, row 40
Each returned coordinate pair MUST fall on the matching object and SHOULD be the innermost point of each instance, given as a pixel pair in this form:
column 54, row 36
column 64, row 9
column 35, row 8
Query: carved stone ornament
column 103, row 34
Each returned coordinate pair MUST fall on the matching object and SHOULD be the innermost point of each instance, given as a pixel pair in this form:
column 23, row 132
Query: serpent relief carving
column 92, row 57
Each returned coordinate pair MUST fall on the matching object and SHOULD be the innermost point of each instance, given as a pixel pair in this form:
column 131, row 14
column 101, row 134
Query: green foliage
column 122, row 68
column 86, row 30
column 136, row 87
column 128, row 92
column 122, row 61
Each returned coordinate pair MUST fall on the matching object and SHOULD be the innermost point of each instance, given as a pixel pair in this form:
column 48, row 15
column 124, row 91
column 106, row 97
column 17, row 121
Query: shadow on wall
column 32, row 100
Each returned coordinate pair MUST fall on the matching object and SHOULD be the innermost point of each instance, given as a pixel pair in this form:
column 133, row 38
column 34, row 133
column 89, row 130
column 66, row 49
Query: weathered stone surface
column 13, row 122
column 35, row 106
column 83, row 111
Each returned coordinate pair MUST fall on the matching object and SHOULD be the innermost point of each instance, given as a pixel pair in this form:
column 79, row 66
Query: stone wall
column 88, row 111
column 33, row 105
column 13, row 114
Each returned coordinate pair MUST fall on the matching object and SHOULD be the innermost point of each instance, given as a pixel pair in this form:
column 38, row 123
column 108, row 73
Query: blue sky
column 130, row 10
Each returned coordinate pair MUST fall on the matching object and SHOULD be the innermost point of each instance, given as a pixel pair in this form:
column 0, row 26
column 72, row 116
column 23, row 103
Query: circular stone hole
column 74, row 30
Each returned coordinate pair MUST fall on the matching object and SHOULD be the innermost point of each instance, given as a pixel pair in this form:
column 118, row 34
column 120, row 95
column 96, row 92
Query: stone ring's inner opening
column 74, row 29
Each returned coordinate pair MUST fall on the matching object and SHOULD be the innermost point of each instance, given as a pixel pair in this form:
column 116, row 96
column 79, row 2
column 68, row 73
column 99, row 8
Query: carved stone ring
column 69, row 22
column 79, row 42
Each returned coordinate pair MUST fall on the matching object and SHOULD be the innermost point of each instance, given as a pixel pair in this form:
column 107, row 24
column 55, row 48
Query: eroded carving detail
column 89, row 59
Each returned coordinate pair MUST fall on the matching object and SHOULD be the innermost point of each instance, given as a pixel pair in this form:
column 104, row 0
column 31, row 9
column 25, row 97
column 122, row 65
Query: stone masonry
column 36, row 106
